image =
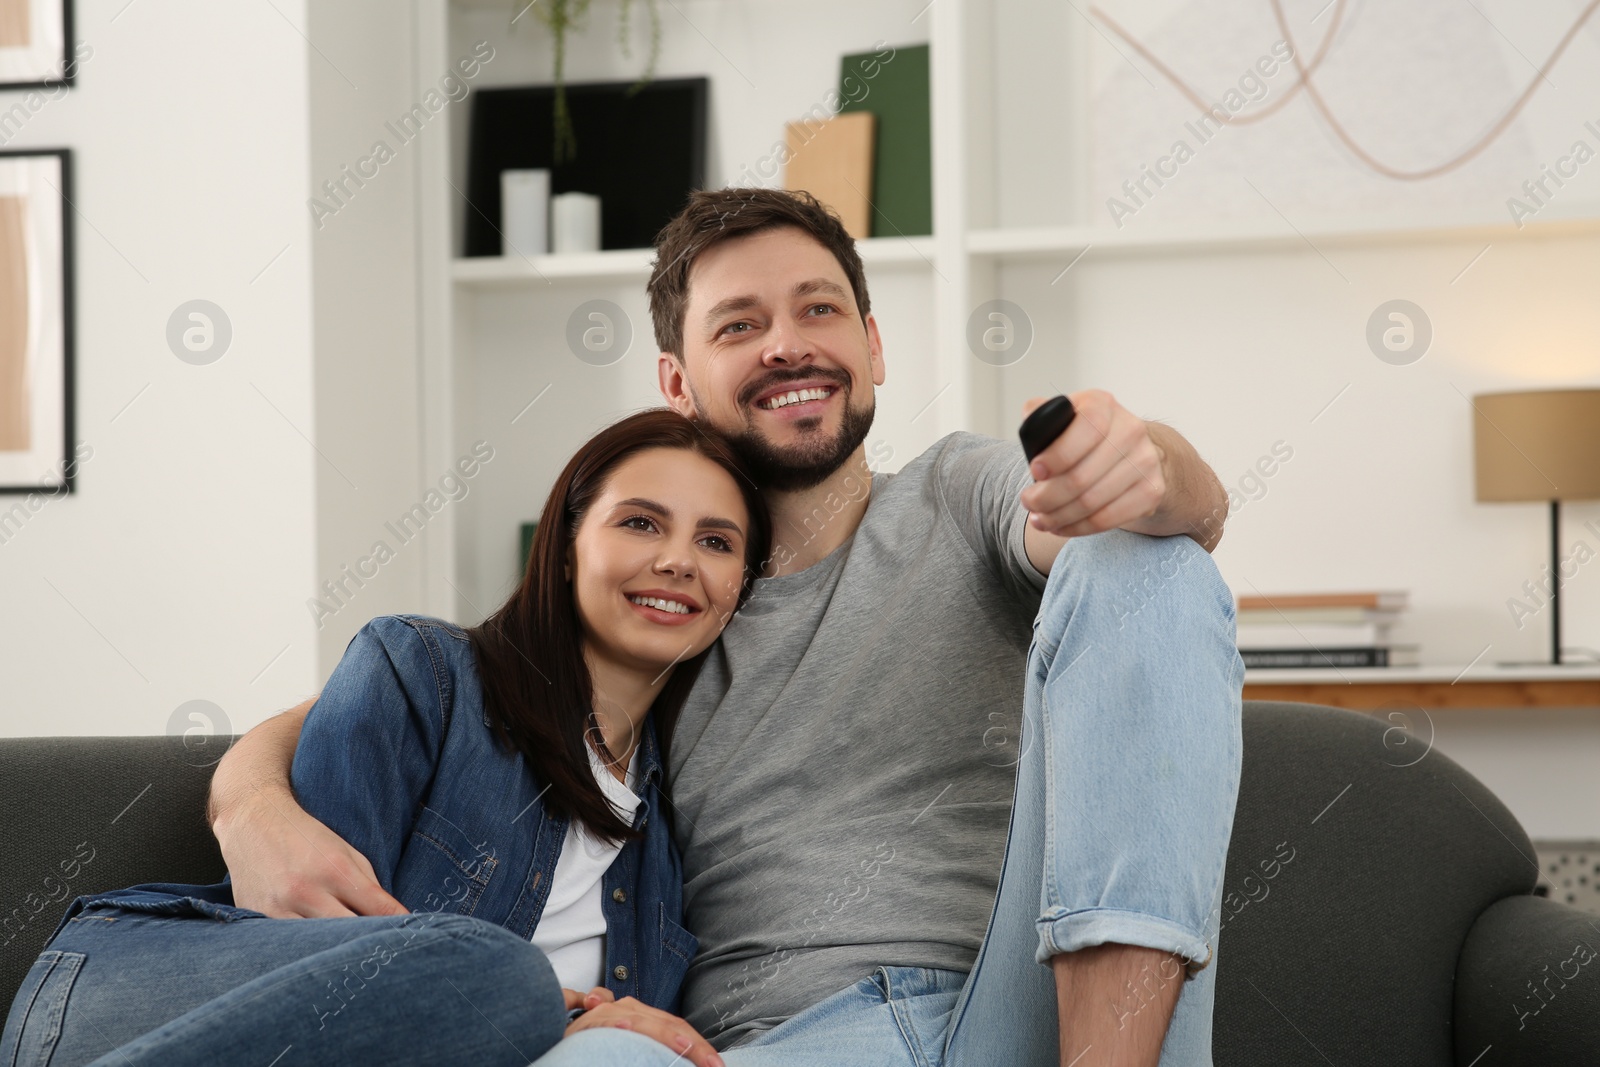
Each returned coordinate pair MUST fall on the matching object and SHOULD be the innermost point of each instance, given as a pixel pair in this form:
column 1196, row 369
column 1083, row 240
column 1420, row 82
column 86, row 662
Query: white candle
column 524, row 212
column 575, row 222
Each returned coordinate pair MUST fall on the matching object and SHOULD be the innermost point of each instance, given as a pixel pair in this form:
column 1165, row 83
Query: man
column 843, row 773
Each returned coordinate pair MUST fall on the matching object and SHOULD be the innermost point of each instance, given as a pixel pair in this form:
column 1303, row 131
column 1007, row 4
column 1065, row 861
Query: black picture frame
column 65, row 62
column 641, row 152
column 66, row 460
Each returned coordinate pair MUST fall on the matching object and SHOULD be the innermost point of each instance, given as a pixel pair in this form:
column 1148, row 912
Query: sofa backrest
column 1347, row 953
column 86, row 814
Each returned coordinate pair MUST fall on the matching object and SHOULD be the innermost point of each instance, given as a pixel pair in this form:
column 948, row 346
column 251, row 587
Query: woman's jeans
column 1119, row 833
column 119, row 987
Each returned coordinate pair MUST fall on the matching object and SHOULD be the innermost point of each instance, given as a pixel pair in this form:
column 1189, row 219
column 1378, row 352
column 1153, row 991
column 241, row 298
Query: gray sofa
column 1379, row 907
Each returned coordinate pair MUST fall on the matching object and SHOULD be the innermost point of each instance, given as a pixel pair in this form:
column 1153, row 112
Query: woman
column 503, row 782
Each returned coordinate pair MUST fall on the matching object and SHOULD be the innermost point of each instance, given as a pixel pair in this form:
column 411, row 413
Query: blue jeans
column 123, row 989
column 1124, row 803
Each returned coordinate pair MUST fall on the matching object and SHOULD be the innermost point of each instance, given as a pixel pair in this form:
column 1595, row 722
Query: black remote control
column 1048, row 422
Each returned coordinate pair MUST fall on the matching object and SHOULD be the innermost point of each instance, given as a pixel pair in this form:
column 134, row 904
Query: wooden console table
column 1382, row 688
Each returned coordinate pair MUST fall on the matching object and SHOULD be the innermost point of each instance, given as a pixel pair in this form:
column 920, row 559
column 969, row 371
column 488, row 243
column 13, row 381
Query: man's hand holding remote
column 1111, row 469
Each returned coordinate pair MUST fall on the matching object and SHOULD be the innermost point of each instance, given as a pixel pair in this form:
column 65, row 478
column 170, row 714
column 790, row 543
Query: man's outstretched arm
column 283, row 862
column 1114, row 470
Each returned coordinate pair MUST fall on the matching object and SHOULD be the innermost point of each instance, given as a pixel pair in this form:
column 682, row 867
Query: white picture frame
column 35, row 37
column 36, row 322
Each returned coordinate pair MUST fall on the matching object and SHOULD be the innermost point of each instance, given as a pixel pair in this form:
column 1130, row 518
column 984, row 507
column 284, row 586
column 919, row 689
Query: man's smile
column 798, row 399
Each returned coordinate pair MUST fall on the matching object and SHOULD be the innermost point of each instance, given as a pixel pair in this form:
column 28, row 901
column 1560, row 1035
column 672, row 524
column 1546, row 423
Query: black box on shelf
column 640, row 153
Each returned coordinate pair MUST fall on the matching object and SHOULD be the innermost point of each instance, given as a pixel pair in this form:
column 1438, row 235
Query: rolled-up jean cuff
column 1100, row 926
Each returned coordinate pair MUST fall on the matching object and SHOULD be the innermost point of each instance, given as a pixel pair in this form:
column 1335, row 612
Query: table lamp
column 1539, row 445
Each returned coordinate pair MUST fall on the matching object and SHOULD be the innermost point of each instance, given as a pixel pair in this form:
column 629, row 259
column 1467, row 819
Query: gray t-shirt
column 842, row 772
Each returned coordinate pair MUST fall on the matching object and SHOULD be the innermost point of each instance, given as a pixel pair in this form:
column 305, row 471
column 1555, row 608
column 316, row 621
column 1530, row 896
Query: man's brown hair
column 715, row 215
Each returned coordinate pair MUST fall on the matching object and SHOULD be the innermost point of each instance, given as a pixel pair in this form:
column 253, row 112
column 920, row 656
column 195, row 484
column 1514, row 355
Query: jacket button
column 619, row 896
column 620, row 973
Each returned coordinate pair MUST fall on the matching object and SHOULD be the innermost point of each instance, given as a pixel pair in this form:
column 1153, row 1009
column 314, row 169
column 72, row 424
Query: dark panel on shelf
column 641, row 154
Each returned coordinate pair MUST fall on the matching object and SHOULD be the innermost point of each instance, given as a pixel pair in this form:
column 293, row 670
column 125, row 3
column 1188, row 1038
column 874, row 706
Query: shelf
column 502, row 271
column 1384, row 689
column 896, row 251
column 633, row 264
column 1057, row 241
column 1588, row 672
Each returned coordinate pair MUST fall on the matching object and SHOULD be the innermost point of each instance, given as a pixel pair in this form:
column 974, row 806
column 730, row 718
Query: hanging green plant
column 655, row 40
column 563, row 17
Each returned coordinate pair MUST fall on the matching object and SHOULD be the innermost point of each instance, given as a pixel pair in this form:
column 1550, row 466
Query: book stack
column 1323, row 630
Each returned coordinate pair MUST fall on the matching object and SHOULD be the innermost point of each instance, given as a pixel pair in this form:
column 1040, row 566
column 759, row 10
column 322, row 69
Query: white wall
column 365, row 315
column 164, row 579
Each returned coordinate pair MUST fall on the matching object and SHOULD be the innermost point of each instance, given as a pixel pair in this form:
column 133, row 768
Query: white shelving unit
column 922, row 286
column 1011, row 218
column 1238, row 333
column 633, row 264
column 1060, row 241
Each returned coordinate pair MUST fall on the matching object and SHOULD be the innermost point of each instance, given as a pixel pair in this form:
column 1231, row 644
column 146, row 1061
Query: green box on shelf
column 892, row 83
column 528, row 530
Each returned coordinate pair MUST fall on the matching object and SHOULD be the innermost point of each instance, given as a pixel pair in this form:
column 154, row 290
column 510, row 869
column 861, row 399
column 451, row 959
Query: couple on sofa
column 750, row 689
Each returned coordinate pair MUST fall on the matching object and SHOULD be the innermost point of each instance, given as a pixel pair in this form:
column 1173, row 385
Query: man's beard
column 807, row 464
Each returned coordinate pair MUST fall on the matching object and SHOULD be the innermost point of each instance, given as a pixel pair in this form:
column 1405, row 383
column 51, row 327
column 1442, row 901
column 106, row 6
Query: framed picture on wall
column 36, row 322
column 34, row 38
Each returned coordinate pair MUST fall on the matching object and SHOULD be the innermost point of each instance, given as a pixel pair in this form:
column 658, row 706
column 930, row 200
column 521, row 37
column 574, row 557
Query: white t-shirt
column 571, row 930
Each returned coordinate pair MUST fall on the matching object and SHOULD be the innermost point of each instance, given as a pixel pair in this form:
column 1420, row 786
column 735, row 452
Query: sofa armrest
column 82, row 815
column 1528, row 984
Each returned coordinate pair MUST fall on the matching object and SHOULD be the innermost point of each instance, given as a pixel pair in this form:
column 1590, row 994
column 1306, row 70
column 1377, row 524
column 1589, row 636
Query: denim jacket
column 398, row 758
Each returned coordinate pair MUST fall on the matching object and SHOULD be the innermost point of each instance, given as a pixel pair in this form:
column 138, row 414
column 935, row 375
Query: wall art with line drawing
column 35, row 322
column 1337, row 114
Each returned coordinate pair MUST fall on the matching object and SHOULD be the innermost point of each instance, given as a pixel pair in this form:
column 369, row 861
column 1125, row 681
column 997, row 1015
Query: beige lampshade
column 1538, row 445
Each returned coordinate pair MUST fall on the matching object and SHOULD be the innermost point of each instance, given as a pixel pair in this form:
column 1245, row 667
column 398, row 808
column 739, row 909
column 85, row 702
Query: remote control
column 1048, row 421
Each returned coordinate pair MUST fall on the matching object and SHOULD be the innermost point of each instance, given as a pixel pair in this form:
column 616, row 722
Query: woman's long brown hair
column 536, row 686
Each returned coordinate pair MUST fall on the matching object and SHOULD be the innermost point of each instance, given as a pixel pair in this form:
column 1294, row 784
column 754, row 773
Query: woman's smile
column 666, row 609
